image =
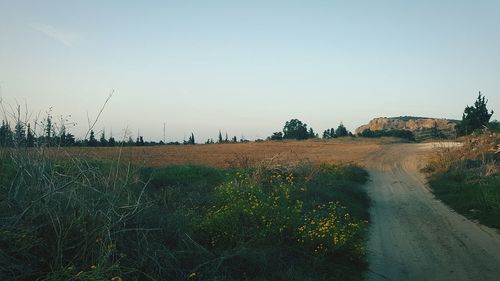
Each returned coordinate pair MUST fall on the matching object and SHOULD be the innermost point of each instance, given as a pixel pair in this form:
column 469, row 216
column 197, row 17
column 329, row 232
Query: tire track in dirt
column 413, row 235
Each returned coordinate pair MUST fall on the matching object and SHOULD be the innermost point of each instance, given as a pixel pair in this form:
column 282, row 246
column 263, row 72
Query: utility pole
column 164, row 125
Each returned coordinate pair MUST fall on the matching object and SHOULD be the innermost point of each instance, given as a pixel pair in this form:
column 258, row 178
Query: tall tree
column 48, row 130
column 92, row 140
column 19, row 134
column 139, row 141
column 341, row 131
column 191, row 140
column 475, row 117
column 30, row 138
column 220, row 137
column 295, row 129
column 311, row 133
column 102, row 140
column 5, row 134
column 111, row 141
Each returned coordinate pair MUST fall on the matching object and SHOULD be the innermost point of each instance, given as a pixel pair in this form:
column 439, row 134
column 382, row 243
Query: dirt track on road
column 414, row 236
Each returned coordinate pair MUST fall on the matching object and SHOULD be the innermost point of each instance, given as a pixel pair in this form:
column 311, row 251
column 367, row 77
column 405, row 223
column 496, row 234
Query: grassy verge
column 86, row 220
column 468, row 179
column 470, row 193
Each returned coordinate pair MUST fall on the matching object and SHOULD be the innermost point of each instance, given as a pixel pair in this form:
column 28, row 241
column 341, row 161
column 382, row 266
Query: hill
column 421, row 127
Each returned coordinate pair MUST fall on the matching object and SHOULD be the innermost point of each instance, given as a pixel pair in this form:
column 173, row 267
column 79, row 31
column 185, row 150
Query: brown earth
column 241, row 154
column 413, row 236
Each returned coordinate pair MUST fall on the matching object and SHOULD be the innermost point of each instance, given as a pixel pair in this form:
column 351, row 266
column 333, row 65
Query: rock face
column 422, row 128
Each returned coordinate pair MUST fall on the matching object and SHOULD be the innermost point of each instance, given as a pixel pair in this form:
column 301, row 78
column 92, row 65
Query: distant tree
column 190, row 140
column 329, row 133
column 276, row 136
column 475, row 117
column 341, row 131
column 111, row 141
column 30, row 138
column 220, row 137
column 139, row 141
column 69, row 139
column 295, row 129
column 102, row 140
column 19, row 134
column 494, row 126
column 48, row 130
column 130, row 142
column 92, row 140
column 6, row 135
column 367, row 133
column 311, row 134
column 227, row 138
column 234, row 139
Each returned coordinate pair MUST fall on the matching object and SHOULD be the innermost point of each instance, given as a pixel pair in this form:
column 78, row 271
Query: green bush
column 476, row 196
column 89, row 220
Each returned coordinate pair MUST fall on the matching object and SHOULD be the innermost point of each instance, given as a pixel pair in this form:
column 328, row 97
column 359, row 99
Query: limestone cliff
column 422, row 128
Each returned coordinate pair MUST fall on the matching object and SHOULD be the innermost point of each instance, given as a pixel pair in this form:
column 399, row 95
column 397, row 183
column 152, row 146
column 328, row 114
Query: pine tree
column 341, row 131
column 220, row 137
column 48, row 131
column 19, row 134
column 5, row 135
column 111, row 141
column 311, row 133
column 190, row 140
column 92, row 140
column 30, row 138
column 102, row 140
column 475, row 117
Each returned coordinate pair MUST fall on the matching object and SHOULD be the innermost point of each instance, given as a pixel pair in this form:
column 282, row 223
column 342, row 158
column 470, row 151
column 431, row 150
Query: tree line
column 296, row 129
column 474, row 118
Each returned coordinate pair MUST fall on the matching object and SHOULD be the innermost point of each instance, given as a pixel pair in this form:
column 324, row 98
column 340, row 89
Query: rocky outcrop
column 422, row 128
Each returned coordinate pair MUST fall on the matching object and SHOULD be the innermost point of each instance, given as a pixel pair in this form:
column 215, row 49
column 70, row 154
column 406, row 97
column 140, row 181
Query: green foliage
column 277, row 221
column 341, row 131
column 471, row 194
column 475, row 117
column 81, row 220
column 494, row 126
column 295, row 129
column 183, row 175
column 311, row 134
column 191, row 140
column 92, row 140
column 6, row 135
column 276, row 136
column 405, row 134
column 329, row 133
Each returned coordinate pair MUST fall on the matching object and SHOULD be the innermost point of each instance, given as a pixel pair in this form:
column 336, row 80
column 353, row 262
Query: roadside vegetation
column 77, row 219
column 467, row 178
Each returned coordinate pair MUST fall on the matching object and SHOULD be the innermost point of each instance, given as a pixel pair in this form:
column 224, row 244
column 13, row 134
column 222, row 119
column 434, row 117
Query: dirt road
column 413, row 235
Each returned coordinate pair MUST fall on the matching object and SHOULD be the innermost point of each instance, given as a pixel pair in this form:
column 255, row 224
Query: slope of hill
column 422, row 127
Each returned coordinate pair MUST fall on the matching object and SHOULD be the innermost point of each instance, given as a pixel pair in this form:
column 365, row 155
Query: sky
column 245, row 67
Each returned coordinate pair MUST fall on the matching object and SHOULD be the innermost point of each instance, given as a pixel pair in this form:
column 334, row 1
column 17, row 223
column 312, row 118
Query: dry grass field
column 238, row 155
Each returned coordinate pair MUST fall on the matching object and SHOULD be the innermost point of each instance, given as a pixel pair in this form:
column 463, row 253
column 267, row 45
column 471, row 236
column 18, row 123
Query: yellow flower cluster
column 329, row 228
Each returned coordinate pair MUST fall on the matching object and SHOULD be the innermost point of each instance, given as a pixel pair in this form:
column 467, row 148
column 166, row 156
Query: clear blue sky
column 246, row 67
